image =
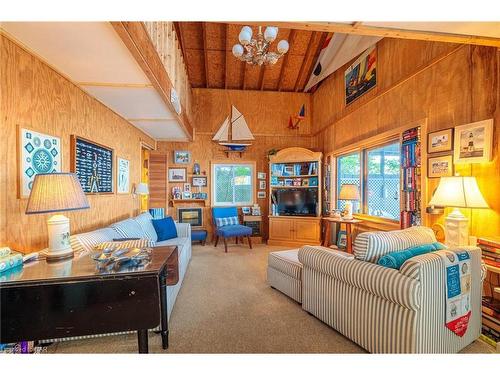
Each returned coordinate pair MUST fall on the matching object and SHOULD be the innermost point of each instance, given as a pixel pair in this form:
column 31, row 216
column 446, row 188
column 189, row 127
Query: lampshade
column 349, row 192
column 270, row 33
column 53, row 192
column 238, row 50
column 283, row 46
column 458, row 192
column 142, row 189
column 245, row 35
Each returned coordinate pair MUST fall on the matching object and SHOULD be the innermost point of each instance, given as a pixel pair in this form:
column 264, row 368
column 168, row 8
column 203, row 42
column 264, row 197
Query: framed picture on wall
column 261, row 194
column 122, row 176
column 473, row 142
column 38, row 153
column 261, row 175
column 176, row 174
column 439, row 141
column 361, row 76
column 440, row 166
column 93, row 165
column 200, row 181
column 187, row 187
column 262, row 184
column 182, row 157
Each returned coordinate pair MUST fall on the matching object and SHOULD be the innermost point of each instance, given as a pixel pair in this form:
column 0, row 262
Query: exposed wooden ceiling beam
column 386, row 32
column 314, row 59
column 177, row 27
column 284, row 64
column 205, row 54
column 244, row 76
column 225, row 55
column 261, row 77
column 307, row 59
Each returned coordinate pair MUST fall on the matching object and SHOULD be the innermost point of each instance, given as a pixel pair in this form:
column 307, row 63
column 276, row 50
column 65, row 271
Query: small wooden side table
column 339, row 221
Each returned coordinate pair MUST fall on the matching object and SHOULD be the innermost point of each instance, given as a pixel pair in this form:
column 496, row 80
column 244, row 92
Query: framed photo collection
column 440, row 141
column 440, row 166
column 176, row 174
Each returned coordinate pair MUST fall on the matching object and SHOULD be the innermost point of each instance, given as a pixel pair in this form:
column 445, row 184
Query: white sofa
column 141, row 227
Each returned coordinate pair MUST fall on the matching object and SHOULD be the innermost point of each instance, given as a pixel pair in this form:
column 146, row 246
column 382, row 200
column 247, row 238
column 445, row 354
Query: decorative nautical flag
column 302, row 112
column 337, row 51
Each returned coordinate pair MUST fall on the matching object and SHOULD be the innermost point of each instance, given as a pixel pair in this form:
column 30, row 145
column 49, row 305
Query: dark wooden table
column 73, row 298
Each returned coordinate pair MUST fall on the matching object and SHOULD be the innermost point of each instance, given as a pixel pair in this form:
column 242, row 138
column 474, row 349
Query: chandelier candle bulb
column 245, row 37
column 271, row 33
column 238, row 50
column 283, row 46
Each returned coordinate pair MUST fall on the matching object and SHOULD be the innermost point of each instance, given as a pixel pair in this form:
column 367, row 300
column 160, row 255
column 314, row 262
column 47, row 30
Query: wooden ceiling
column 207, row 46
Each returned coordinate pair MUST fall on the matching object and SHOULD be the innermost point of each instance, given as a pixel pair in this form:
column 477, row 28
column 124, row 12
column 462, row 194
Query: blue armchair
column 226, row 223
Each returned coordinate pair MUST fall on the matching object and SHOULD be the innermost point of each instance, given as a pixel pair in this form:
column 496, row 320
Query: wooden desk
column 73, row 298
column 338, row 221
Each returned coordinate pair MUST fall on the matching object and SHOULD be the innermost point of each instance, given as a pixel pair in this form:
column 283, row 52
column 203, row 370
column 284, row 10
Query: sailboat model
column 234, row 130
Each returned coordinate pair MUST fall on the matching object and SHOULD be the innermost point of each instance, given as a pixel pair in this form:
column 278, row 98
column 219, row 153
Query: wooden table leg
column 163, row 310
column 326, row 240
column 349, row 238
column 142, row 340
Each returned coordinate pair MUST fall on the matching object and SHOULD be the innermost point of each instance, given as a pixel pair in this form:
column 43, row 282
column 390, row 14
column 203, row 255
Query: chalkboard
column 93, row 165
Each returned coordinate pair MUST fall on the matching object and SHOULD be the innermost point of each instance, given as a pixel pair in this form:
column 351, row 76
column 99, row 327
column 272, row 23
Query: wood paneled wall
column 448, row 84
column 267, row 116
column 34, row 95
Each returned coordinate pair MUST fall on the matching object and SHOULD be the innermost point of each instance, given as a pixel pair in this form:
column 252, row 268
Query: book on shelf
column 491, row 262
column 492, row 242
column 492, row 323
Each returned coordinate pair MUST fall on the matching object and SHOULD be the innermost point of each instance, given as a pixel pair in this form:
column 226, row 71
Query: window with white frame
column 376, row 172
column 232, row 184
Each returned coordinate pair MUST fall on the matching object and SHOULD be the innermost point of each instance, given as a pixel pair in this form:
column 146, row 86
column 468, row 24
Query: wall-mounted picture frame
column 262, row 184
column 37, row 153
column 440, row 141
column 200, row 181
column 361, row 76
column 176, row 174
column 440, row 166
column 473, row 142
column 122, row 176
column 199, row 195
column 261, row 194
column 261, row 175
column 342, row 239
column 187, row 187
column 186, row 195
column 93, row 165
column 182, row 157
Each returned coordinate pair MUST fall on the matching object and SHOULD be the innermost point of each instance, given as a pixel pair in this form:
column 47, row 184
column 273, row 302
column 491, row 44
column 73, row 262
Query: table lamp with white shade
column 142, row 189
column 56, row 192
column 457, row 192
column 349, row 192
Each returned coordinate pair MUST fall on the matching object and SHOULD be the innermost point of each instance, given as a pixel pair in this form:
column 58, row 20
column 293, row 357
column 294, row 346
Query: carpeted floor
column 226, row 306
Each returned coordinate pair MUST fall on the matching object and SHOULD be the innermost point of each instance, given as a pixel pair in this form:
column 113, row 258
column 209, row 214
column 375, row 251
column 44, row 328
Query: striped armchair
column 386, row 310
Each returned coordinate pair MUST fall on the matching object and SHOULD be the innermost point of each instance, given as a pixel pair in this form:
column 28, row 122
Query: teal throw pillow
column 396, row 259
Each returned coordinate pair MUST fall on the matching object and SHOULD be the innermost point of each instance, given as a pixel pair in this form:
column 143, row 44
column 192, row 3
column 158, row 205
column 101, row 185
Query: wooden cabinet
column 294, row 230
column 295, row 172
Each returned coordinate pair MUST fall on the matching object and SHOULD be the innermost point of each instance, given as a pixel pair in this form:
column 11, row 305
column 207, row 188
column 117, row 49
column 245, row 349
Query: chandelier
column 256, row 51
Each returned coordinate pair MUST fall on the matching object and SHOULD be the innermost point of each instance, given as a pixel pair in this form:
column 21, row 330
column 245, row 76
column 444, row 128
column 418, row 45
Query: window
column 382, row 181
column 348, row 172
column 232, row 184
column 376, row 172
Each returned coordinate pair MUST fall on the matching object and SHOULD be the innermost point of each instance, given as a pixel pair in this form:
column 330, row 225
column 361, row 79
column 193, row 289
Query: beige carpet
column 226, row 306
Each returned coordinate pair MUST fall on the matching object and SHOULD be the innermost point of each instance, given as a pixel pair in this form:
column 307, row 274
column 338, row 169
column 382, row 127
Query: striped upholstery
column 85, row 242
column 370, row 246
column 385, row 310
column 157, row 213
column 125, row 244
column 144, row 220
column 222, row 221
column 128, row 228
column 382, row 282
column 284, row 273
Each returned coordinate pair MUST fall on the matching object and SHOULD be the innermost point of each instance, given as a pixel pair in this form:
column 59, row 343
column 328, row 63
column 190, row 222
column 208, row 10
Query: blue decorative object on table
column 396, row 259
column 165, row 228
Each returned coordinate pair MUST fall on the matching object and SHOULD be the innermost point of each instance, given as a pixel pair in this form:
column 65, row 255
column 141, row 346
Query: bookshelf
column 295, row 168
column 411, row 178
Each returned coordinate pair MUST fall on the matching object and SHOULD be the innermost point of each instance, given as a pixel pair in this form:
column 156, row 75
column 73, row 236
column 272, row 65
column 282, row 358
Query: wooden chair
column 220, row 215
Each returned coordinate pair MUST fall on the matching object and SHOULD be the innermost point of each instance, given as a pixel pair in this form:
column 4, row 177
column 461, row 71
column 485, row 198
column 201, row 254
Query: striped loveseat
column 386, row 310
column 136, row 227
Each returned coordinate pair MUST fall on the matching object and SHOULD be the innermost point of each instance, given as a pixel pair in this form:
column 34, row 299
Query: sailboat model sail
column 236, row 130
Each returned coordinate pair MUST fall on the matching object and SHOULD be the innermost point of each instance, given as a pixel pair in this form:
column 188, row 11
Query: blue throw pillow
column 165, row 228
column 396, row 259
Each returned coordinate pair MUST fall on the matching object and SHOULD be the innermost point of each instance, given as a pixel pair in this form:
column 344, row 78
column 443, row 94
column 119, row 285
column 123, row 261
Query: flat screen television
column 295, row 202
